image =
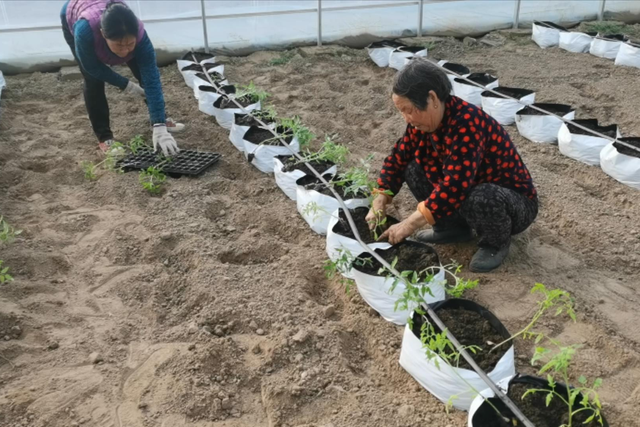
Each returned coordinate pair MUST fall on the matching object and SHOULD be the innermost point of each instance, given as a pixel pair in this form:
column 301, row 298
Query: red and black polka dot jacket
column 468, row 148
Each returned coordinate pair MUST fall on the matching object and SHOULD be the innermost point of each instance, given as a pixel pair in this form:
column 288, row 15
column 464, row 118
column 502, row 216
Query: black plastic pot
column 610, row 130
column 633, row 140
column 480, row 78
column 558, row 109
column 550, row 24
column 486, row 416
column 456, row 68
column 509, row 91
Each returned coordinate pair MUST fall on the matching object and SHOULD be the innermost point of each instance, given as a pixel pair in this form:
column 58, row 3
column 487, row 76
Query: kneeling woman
column 461, row 166
column 102, row 33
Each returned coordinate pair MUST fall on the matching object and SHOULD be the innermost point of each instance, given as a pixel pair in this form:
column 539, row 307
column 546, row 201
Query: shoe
column 444, row 236
column 487, row 259
column 104, row 145
column 174, row 127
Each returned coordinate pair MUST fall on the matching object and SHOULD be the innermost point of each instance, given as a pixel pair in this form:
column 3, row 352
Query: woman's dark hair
column 118, row 21
column 417, row 79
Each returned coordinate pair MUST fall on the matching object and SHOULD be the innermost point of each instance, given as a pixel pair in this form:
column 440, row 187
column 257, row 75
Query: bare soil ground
column 208, row 307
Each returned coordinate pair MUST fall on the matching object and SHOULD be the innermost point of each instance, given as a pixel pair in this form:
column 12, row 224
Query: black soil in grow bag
column 558, row 109
column 385, row 43
column 224, row 102
column 412, row 256
column 343, row 228
column 198, row 67
column 200, row 56
column 471, row 324
column 480, row 78
column 508, row 91
column 533, row 406
column 215, row 77
column 613, row 37
column 456, row 68
column 634, row 141
column 412, row 49
column 261, row 136
column 226, row 90
column 291, row 163
column 550, row 24
column 310, row 182
column 241, row 119
column 610, row 131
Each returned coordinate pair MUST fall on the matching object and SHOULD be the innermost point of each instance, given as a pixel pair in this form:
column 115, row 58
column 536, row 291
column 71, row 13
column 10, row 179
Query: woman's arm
column 86, row 54
column 392, row 172
column 145, row 57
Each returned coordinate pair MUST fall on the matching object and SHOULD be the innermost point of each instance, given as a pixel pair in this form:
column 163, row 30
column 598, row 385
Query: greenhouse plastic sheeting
column 2, row 83
column 36, row 37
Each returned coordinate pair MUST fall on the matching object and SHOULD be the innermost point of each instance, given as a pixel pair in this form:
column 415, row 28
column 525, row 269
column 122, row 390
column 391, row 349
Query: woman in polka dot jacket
column 461, row 166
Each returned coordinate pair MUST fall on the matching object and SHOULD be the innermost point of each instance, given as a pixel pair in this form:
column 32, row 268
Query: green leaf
column 582, row 380
column 548, row 399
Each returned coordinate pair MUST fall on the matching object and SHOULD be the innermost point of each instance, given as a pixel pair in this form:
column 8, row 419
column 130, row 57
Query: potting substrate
column 534, row 406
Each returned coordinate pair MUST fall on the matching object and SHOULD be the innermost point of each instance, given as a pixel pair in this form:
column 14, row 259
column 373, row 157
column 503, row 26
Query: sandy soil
column 207, row 306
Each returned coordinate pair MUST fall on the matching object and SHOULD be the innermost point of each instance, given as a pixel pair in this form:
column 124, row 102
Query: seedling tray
column 186, row 162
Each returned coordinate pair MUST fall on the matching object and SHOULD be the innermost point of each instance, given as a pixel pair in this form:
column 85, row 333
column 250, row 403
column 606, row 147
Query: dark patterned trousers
column 495, row 213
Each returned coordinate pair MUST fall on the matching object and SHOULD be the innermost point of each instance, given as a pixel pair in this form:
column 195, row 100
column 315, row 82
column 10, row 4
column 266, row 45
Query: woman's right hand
column 377, row 213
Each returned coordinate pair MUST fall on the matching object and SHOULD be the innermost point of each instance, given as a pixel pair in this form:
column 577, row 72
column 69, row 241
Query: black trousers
column 495, row 213
column 94, row 96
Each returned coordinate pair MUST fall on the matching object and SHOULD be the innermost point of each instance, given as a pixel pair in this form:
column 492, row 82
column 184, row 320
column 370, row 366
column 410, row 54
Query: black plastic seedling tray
column 186, row 162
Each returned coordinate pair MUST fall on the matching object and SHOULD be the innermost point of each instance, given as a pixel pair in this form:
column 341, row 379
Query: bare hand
column 398, row 232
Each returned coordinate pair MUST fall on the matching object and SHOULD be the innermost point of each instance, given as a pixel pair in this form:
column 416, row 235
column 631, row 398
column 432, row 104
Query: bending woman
column 462, row 167
column 103, row 33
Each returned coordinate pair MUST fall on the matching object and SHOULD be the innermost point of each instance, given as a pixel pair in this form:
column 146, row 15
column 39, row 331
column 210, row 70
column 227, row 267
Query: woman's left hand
column 398, row 232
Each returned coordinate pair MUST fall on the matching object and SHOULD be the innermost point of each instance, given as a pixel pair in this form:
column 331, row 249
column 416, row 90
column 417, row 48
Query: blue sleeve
column 86, row 54
column 145, row 57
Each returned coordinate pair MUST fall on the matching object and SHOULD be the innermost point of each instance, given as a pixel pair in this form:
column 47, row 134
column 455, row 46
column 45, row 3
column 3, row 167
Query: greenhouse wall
column 31, row 38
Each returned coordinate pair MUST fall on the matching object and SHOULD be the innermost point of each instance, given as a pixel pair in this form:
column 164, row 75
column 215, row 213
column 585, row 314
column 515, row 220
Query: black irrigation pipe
column 502, row 95
column 516, row 411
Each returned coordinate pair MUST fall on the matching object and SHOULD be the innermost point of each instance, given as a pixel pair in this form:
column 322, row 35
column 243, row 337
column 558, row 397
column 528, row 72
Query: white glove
column 134, row 89
column 163, row 139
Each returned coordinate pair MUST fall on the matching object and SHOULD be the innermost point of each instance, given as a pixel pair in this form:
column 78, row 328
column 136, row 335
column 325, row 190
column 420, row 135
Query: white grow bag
column 487, row 393
column 502, row 109
column 189, row 76
column 584, row 148
column 287, row 180
column 543, row 128
column 206, row 99
column 199, row 83
column 546, row 34
column 445, row 382
column 623, row 168
column 629, row 55
column 606, row 46
column 262, row 156
column 319, row 221
column 399, row 56
column 473, row 94
column 225, row 116
column 187, row 60
column 456, row 68
column 376, row 291
column 338, row 244
column 236, row 135
column 379, row 52
column 576, row 42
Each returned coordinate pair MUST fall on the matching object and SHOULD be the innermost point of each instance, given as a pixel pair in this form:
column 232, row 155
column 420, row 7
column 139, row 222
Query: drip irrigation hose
column 514, row 409
column 502, row 95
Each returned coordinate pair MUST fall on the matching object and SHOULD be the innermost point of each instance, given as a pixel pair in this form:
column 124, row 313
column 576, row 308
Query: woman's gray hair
column 417, row 79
